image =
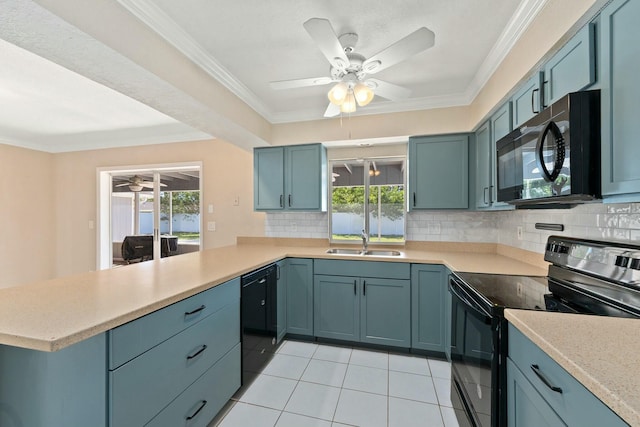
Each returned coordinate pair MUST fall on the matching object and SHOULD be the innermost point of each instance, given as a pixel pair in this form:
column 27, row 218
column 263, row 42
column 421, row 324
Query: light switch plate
column 211, row 226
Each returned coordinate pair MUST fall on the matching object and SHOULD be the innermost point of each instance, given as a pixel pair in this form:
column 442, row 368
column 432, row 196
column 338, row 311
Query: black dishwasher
column 258, row 320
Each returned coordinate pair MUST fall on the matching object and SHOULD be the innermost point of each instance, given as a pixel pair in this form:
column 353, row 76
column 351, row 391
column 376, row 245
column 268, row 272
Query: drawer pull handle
column 354, row 287
column 364, row 288
column 197, row 310
column 197, row 353
column 543, row 378
column 195, row 414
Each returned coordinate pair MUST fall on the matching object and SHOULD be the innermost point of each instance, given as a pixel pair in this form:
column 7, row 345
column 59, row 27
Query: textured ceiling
column 243, row 45
column 256, row 41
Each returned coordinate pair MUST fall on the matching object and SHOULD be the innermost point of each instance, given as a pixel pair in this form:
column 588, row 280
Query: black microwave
column 553, row 158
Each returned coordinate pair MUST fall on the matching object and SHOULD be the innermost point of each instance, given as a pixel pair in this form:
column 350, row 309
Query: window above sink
column 380, row 181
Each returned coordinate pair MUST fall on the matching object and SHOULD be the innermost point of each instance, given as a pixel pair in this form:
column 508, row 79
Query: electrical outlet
column 519, row 289
column 211, row 226
column 293, row 226
column 519, row 233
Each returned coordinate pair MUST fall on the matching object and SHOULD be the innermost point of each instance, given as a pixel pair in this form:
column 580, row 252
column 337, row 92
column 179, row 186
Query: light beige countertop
column 54, row 314
column 600, row 352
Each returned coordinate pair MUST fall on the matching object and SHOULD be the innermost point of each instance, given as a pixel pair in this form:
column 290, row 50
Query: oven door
column 474, row 357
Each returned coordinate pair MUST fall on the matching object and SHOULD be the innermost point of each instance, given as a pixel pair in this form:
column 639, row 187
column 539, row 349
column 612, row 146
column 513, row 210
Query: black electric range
column 585, row 277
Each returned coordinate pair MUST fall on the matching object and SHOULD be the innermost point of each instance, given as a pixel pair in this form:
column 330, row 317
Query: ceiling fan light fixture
column 135, row 188
column 338, row 94
column 349, row 104
column 363, row 94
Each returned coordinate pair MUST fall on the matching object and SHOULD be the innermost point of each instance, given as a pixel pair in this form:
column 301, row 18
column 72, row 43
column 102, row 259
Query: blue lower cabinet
column 537, row 386
column 526, row 407
column 63, row 388
column 428, row 304
column 336, row 301
column 374, row 310
column 198, row 364
column 200, row 403
column 281, row 310
column 300, row 296
column 385, row 312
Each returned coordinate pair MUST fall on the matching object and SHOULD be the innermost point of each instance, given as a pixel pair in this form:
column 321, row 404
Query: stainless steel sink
column 340, row 251
column 382, row 253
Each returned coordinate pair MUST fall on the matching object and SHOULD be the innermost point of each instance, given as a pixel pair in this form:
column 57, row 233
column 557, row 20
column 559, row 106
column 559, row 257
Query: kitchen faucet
column 365, row 241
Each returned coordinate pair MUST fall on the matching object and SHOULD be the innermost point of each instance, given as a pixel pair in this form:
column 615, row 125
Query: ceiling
column 243, row 45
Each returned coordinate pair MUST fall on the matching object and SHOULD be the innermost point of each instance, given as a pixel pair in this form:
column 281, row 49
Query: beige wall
column 47, row 201
column 27, row 217
column 227, row 172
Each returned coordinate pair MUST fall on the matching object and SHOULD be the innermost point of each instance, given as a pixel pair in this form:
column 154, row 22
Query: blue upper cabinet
column 620, row 62
column 527, row 101
column 573, row 68
column 290, row 178
column 485, row 149
column 268, row 178
column 484, row 165
column 439, row 172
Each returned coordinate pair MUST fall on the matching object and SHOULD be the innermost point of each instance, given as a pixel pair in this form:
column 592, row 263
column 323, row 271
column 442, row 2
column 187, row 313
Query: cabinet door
column 525, row 406
column 300, row 296
column 501, row 125
column 527, row 100
column 336, row 307
column 571, row 69
column 620, row 50
column 385, row 312
column 268, row 178
column 483, row 166
column 439, row 172
column 305, row 177
column 281, row 309
column 428, row 288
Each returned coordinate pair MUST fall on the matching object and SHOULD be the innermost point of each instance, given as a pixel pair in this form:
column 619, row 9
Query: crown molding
column 152, row 16
column 517, row 25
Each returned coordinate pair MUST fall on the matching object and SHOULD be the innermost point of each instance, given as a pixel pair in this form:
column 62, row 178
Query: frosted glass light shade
column 363, row 94
column 349, row 104
column 338, row 93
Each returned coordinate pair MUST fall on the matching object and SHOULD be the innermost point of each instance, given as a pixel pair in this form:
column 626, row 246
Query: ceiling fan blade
column 416, row 42
column 332, row 110
column 322, row 33
column 292, row 84
column 123, row 185
column 149, row 184
column 389, row 91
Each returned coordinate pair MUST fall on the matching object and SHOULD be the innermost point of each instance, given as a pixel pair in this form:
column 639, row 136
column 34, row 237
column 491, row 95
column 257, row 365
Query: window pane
column 386, row 201
column 347, row 203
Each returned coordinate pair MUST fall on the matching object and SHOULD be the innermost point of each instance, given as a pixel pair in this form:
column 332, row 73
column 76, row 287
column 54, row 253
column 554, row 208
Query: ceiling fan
column 350, row 70
column 137, row 183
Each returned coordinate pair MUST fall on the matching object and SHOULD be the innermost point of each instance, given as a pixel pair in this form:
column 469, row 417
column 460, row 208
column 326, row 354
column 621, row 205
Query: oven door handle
column 475, row 306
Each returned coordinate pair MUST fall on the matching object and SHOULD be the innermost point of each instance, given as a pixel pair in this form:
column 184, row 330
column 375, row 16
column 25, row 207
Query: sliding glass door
column 153, row 213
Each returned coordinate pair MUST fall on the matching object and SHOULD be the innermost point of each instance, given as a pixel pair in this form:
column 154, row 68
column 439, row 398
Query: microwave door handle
column 551, row 176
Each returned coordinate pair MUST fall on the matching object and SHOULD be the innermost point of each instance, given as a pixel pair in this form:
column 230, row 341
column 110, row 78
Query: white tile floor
column 316, row 385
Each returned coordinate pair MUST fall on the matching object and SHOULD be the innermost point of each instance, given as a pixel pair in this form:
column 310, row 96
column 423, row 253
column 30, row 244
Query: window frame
column 367, row 164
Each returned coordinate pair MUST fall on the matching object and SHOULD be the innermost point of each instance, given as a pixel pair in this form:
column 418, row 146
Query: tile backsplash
column 594, row 221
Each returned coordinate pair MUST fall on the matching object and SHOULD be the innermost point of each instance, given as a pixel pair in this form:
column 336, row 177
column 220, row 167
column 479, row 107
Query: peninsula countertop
column 600, row 352
column 54, row 314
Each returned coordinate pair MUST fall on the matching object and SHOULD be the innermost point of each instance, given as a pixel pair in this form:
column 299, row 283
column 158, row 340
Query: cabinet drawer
column 145, row 385
column 387, row 270
column 200, row 403
column 136, row 337
column 575, row 405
